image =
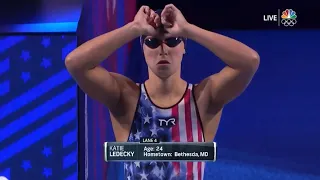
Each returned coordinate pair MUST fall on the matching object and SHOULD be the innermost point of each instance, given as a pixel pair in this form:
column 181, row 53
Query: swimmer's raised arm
column 83, row 62
column 242, row 62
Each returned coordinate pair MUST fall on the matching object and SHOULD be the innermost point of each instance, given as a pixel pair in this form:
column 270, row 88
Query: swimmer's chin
column 164, row 73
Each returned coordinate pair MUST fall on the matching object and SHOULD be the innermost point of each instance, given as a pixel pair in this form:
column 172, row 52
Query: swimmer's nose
column 164, row 50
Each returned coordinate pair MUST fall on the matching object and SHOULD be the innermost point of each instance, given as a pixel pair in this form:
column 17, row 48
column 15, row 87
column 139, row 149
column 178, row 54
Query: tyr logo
column 166, row 122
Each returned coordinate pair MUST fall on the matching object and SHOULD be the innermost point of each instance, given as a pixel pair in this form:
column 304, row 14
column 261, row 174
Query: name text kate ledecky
column 119, row 151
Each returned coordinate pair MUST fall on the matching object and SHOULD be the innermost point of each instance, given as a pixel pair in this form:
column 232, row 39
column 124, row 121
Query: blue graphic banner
column 38, row 108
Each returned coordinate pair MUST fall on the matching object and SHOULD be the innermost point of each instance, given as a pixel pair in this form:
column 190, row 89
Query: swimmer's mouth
column 163, row 62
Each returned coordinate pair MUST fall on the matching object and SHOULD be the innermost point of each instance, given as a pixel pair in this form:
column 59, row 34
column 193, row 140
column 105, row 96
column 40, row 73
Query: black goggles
column 154, row 42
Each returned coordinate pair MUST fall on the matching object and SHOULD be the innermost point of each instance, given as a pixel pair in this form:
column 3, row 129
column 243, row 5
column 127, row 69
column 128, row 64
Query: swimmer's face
column 163, row 56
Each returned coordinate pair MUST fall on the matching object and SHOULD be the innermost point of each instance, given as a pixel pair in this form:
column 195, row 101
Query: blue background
column 272, row 130
column 38, row 108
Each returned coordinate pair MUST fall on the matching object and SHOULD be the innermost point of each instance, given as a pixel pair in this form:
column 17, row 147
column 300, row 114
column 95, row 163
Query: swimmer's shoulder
column 199, row 88
column 125, row 82
column 201, row 93
column 129, row 94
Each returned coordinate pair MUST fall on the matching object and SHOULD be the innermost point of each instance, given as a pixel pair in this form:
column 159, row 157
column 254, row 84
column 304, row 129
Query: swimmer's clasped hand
column 146, row 21
column 174, row 22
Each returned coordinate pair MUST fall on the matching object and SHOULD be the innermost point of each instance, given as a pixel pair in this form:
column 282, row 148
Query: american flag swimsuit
column 187, row 127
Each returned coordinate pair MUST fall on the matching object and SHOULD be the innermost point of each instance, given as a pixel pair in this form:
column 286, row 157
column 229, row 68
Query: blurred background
column 49, row 129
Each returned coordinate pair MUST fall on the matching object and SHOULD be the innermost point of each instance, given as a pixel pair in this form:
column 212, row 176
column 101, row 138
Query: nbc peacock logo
column 289, row 18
